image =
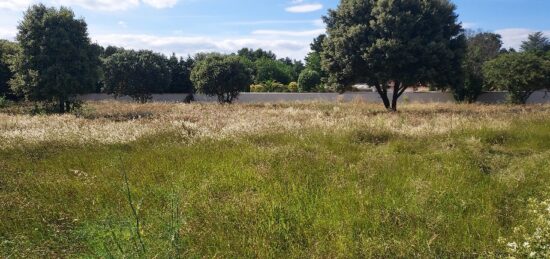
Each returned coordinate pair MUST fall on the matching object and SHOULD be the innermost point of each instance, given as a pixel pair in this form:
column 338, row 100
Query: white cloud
column 122, row 24
column 279, row 33
column 7, row 33
column 159, row 4
column 304, row 8
column 513, row 37
column 182, row 45
column 15, row 5
column 101, row 5
column 469, row 25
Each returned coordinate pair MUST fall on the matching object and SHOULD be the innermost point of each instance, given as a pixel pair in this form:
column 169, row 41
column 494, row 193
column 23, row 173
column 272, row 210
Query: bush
column 308, row 80
column 137, row 74
column 520, row 74
column 222, row 76
column 258, row 88
column 272, row 70
column 275, row 87
column 293, row 87
column 3, row 102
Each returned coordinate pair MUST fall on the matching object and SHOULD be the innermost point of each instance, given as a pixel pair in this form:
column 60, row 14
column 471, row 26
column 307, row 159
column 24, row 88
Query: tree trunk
column 384, row 95
column 395, row 96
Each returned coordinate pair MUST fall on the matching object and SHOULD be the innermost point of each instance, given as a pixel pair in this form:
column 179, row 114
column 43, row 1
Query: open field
column 270, row 180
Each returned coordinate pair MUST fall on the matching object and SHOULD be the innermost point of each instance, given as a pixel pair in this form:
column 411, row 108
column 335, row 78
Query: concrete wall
column 501, row 97
column 418, row 97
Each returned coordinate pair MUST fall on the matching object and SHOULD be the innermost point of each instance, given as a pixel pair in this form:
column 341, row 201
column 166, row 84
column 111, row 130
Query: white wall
column 418, row 97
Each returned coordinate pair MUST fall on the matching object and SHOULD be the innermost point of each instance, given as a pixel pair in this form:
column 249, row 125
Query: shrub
column 137, row 74
column 3, row 102
column 222, row 76
column 308, row 80
column 257, row 88
column 520, row 74
column 272, row 70
column 274, row 87
column 293, row 87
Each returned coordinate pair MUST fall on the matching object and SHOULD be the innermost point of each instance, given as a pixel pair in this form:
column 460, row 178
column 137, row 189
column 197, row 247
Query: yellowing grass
column 118, row 122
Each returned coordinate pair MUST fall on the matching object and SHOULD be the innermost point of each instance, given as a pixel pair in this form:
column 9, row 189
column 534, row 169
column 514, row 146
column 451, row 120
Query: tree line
column 389, row 45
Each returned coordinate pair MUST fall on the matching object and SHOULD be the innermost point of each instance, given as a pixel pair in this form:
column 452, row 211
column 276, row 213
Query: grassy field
column 287, row 180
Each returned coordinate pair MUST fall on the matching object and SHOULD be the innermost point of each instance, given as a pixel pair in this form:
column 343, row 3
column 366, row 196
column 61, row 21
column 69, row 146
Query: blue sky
column 284, row 26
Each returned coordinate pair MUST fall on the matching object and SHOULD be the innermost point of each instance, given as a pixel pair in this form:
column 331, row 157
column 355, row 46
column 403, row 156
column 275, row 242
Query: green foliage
column 482, row 47
column 537, row 43
column 257, row 88
column 317, row 44
column 222, row 76
column 272, row 70
column 275, row 87
column 57, row 59
column 520, row 74
column 181, row 75
column 308, row 81
column 137, row 74
column 293, row 87
column 404, row 41
column 8, row 50
column 254, row 55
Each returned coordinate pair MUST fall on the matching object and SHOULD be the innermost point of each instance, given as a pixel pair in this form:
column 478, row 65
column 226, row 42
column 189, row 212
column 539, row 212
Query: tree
column 8, row 50
column 57, row 59
column 308, row 80
column 137, row 74
column 254, row 55
column 180, row 69
column 520, row 74
column 536, row 42
column 481, row 47
column 317, row 44
column 222, row 76
column 406, row 42
column 272, row 70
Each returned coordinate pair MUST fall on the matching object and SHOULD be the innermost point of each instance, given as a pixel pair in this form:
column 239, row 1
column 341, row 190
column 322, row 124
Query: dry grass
column 119, row 122
column 294, row 180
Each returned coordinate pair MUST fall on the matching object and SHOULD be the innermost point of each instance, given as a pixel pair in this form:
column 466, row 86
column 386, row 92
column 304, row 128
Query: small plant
column 293, row 87
column 3, row 102
column 535, row 244
column 258, row 88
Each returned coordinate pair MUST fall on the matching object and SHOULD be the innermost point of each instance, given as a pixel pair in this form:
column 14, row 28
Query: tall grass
column 355, row 192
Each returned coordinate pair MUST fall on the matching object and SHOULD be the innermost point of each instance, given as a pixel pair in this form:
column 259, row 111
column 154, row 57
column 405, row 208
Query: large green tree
column 536, row 42
column 137, row 74
column 180, row 69
column 224, row 76
column 8, row 50
column 482, row 47
column 406, row 42
column 273, row 70
column 520, row 74
column 57, row 59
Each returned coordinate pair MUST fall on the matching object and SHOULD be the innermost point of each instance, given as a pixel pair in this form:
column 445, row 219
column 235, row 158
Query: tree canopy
column 8, row 50
column 481, row 47
column 520, row 74
column 57, row 59
column 137, row 74
column 536, row 42
column 224, row 76
column 180, row 70
column 407, row 42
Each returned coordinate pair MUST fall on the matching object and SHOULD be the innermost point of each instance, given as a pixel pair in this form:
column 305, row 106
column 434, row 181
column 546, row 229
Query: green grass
column 360, row 193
